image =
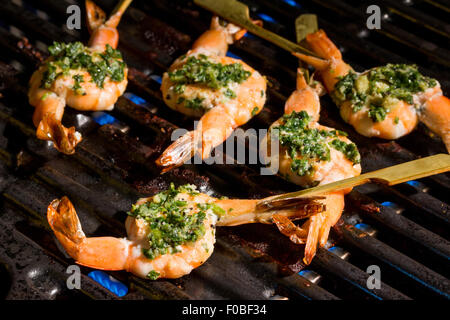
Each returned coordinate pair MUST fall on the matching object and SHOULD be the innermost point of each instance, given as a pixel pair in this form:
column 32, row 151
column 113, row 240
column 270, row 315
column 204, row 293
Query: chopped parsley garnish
column 171, row 221
column 348, row 149
column 380, row 88
column 301, row 167
column 45, row 96
column 229, row 93
column 214, row 207
column 305, row 144
column 153, row 275
column 180, row 100
column 377, row 113
column 196, row 103
column 78, row 78
column 345, row 90
column 255, row 111
column 200, row 70
column 75, row 56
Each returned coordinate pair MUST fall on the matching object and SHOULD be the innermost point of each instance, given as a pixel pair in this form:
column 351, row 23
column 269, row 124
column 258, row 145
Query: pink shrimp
column 338, row 166
column 222, row 106
column 132, row 253
column 52, row 87
column 399, row 116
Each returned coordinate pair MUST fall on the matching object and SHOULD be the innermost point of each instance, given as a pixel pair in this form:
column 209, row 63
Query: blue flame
column 413, row 183
column 361, row 226
column 303, row 272
column 156, row 78
column 293, row 3
column 232, row 55
column 103, row 118
column 136, row 99
column 113, row 285
column 267, row 18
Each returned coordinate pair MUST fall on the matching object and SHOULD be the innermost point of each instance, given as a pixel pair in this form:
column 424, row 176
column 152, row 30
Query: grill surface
column 114, row 165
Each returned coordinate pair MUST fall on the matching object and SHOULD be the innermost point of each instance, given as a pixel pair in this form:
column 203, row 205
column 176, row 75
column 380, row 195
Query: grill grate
column 408, row 239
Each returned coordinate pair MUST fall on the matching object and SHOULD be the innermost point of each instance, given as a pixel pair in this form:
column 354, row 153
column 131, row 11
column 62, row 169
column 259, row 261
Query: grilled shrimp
column 169, row 234
column 385, row 102
column 311, row 154
column 85, row 78
column 224, row 92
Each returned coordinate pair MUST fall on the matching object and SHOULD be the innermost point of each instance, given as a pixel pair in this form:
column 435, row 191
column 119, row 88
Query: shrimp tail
column 117, row 13
column 296, row 234
column 234, row 32
column 63, row 220
column 64, row 139
column 105, row 253
column 104, row 31
column 178, row 152
column 301, row 79
column 310, row 233
column 324, row 233
column 436, row 116
column 314, row 231
column 314, row 228
column 331, row 66
column 323, row 46
column 95, row 16
column 241, row 33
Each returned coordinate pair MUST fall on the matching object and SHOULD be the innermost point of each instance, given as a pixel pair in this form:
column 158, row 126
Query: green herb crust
column 380, row 88
column 310, row 144
column 200, row 70
column 171, row 221
column 196, row 103
column 153, row 275
column 75, row 56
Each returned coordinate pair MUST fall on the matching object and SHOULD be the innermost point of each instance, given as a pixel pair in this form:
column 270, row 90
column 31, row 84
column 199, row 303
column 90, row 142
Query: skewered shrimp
column 385, row 102
column 169, row 234
column 311, row 154
column 85, row 78
column 223, row 91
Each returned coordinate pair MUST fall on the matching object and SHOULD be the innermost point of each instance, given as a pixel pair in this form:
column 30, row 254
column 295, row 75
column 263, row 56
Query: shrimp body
column 145, row 252
column 338, row 167
column 243, row 97
column 400, row 121
column 385, row 102
column 89, row 97
column 307, row 169
column 67, row 78
column 224, row 92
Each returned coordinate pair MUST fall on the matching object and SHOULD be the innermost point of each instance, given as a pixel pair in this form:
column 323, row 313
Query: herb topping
column 75, row 56
column 311, row 143
column 381, row 88
column 171, row 220
column 200, row 70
